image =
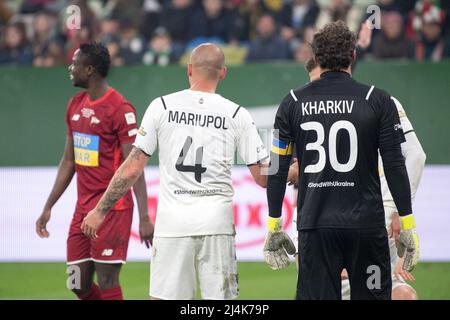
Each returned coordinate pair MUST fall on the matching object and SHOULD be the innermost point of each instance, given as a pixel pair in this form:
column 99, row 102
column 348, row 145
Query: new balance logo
column 107, row 252
column 94, row 120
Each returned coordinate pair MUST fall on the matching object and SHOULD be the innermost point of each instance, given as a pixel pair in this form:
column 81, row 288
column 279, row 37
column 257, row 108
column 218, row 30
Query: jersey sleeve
column 390, row 137
column 125, row 123
column 282, row 125
column 147, row 137
column 404, row 121
column 411, row 149
column 249, row 145
column 280, row 157
column 391, row 132
column 68, row 117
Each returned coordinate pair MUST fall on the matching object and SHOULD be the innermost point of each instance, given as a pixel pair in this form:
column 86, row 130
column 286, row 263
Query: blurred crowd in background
column 161, row 32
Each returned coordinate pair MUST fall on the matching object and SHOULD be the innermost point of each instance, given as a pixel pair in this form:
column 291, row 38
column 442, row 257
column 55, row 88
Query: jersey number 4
column 317, row 146
column 197, row 169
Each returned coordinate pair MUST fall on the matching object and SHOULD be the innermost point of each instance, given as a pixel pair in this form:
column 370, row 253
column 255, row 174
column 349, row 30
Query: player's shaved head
column 207, row 61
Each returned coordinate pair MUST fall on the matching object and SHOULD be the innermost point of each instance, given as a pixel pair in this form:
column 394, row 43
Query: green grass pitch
column 256, row 281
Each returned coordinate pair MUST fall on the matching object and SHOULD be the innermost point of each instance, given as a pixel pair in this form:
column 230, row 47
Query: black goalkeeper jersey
column 338, row 125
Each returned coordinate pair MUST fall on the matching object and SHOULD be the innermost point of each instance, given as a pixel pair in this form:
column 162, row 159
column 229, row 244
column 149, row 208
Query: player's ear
column 353, row 56
column 223, row 73
column 90, row 70
column 189, row 70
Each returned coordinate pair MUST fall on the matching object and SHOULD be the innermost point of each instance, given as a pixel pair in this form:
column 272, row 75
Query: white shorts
column 176, row 262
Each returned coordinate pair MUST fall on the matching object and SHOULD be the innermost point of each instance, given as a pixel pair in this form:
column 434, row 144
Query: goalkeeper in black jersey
column 338, row 125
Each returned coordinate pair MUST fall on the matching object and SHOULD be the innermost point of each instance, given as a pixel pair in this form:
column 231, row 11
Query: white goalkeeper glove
column 408, row 243
column 276, row 245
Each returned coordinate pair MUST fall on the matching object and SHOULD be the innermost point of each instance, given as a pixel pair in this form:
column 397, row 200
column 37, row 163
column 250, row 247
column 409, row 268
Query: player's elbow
column 263, row 184
column 262, row 181
column 421, row 157
column 134, row 173
column 67, row 165
column 414, row 152
column 418, row 157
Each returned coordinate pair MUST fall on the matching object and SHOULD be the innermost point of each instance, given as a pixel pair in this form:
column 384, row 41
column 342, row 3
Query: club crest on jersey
column 86, row 112
column 86, row 149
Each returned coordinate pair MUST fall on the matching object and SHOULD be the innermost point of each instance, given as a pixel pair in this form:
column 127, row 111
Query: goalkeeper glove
column 408, row 243
column 276, row 245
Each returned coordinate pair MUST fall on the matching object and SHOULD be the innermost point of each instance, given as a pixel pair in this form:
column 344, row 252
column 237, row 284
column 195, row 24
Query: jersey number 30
column 197, row 169
column 317, row 146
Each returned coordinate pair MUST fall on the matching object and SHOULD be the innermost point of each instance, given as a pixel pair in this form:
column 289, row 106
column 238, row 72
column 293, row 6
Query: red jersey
column 99, row 128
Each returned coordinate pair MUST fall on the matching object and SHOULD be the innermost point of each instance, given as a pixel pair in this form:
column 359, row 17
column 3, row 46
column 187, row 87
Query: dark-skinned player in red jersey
column 338, row 126
column 101, row 127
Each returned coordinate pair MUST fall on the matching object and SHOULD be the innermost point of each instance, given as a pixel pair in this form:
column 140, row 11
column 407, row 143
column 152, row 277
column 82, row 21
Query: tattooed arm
column 124, row 178
column 139, row 188
column 146, row 227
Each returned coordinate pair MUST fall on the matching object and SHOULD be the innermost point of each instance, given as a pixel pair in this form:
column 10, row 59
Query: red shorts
column 111, row 246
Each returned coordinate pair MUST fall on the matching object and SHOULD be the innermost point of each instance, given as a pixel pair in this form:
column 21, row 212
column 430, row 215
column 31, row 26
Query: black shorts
column 323, row 253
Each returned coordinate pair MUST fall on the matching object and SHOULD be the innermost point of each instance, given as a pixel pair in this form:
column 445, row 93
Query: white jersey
column 197, row 134
column 413, row 152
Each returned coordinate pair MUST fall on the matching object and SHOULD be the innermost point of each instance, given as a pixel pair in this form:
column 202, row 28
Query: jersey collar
column 101, row 99
column 335, row 75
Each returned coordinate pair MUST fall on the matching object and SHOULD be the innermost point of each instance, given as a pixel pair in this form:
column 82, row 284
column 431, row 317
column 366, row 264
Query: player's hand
column 408, row 243
column 146, row 230
column 365, row 35
column 400, row 273
column 91, row 223
column 395, row 227
column 41, row 224
column 344, row 274
column 276, row 245
column 293, row 173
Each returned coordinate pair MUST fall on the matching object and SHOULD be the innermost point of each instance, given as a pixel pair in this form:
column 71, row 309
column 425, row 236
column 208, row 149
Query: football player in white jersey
column 197, row 132
column 415, row 161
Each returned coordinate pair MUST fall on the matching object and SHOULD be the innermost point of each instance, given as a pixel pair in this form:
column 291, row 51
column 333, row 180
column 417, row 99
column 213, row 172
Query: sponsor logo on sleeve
column 76, row 117
column 132, row 132
column 86, row 149
column 401, row 114
column 142, row 131
column 130, row 118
